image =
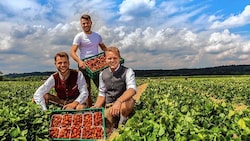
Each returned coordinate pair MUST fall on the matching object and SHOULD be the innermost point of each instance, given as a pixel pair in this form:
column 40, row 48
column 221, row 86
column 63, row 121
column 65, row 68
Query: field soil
column 140, row 90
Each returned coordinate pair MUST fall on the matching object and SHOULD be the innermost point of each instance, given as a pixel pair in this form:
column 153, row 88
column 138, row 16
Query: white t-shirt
column 87, row 43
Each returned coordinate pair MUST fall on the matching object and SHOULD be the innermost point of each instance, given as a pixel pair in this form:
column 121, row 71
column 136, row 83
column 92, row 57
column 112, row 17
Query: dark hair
column 62, row 54
column 86, row 17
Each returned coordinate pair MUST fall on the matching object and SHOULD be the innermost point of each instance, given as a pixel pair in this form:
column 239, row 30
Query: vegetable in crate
column 77, row 120
column 65, row 132
column 56, row 120
column 87, row 120
column 67, row 120
column 98, row 118
column 54, row 132
column 75, row 132
column 87, row 132
column 97, row 132
column 97, row 63
column 94, row 132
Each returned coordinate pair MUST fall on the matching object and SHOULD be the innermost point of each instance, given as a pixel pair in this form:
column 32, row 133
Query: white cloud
column 129, row 9
column 5, row 43
column 235, row 20
column 246, row 48
column 223, row 41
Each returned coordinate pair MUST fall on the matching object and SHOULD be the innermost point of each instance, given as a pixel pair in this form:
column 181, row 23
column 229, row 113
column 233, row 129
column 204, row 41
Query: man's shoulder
column 55, row 73
column 95, row 34
column 80, row 34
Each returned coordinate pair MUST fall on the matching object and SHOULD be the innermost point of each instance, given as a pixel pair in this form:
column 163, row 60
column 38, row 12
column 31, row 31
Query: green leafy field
column 171, row 108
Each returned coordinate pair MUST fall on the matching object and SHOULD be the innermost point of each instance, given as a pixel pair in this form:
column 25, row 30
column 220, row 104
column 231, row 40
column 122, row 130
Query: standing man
column 70, row 86
column 87, row 42
column 117, row 88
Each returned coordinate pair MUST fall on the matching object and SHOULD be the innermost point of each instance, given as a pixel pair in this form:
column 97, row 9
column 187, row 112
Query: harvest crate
column 95, row 64
column 82, row 125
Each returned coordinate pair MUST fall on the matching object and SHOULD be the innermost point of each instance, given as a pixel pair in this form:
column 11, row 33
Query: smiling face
column 62, row 64
column 86, row 25
column 112, row 56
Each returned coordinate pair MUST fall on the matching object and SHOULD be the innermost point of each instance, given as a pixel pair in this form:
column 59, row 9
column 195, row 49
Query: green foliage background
column 171, row 108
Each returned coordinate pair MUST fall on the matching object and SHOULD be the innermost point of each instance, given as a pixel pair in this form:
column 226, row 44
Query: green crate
column 94, row 74
column 61, row 113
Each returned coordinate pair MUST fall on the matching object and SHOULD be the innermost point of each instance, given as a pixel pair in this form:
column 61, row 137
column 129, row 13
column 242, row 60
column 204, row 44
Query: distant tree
column 1, row 76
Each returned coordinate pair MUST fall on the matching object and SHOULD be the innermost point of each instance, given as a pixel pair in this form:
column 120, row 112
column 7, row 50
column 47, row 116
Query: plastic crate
column 95, row 73
column 90, row 121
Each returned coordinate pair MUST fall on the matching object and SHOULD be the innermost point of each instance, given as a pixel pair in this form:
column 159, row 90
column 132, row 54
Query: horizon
column 142, row 69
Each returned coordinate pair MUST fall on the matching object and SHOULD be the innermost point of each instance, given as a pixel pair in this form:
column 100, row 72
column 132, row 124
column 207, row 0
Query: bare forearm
column 99, row 102
column 126, row 95
column 75, row 57
column 73, row 53
column 103, row 47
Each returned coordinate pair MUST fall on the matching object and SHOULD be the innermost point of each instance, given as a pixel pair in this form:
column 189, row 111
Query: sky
column 151, row 34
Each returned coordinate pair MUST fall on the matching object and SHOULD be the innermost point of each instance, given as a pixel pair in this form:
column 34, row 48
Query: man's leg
column 89, row 100
column 109, row 119
column 127, row 108
column 49, row 98
column 96, row 81
column 87, row 78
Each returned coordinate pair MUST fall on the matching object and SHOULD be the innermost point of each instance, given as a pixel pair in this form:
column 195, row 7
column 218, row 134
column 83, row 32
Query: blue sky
column 151, row 34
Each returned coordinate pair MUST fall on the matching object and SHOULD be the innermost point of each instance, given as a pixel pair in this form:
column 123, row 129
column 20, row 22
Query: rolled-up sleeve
column 102, row 88
column 130, row 79
column 42, row 90
column 82, row 87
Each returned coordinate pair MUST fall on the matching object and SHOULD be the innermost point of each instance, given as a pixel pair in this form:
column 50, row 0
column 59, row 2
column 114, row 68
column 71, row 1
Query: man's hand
column 70, row 106
column 115, row 109
column 94, row 106
column 82, row 64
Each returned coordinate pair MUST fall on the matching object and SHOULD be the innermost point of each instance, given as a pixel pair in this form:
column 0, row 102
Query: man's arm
column 99, row 102
column 103, row 46
column 129, row 93
column 131, row 86
column 74, row 55
column 42, row 90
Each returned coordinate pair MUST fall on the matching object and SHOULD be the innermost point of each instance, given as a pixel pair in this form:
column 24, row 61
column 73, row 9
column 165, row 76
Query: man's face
column 112, row 59
column 86, row 25
column 62, row 64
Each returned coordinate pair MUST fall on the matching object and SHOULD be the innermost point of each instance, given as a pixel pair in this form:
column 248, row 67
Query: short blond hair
column 114, row 50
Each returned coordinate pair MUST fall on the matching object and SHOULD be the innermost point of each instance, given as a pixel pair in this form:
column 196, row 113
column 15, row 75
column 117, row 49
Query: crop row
column 169, row 109
column 185, row 110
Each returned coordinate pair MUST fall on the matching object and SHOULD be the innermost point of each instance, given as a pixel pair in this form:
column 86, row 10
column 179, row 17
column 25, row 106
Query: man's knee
column 127, row 107
column 47, row 97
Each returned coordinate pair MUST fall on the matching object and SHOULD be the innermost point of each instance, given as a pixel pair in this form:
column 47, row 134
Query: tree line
column 220, row 70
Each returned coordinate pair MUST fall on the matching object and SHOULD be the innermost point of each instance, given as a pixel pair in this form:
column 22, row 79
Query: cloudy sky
column 151, row 34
